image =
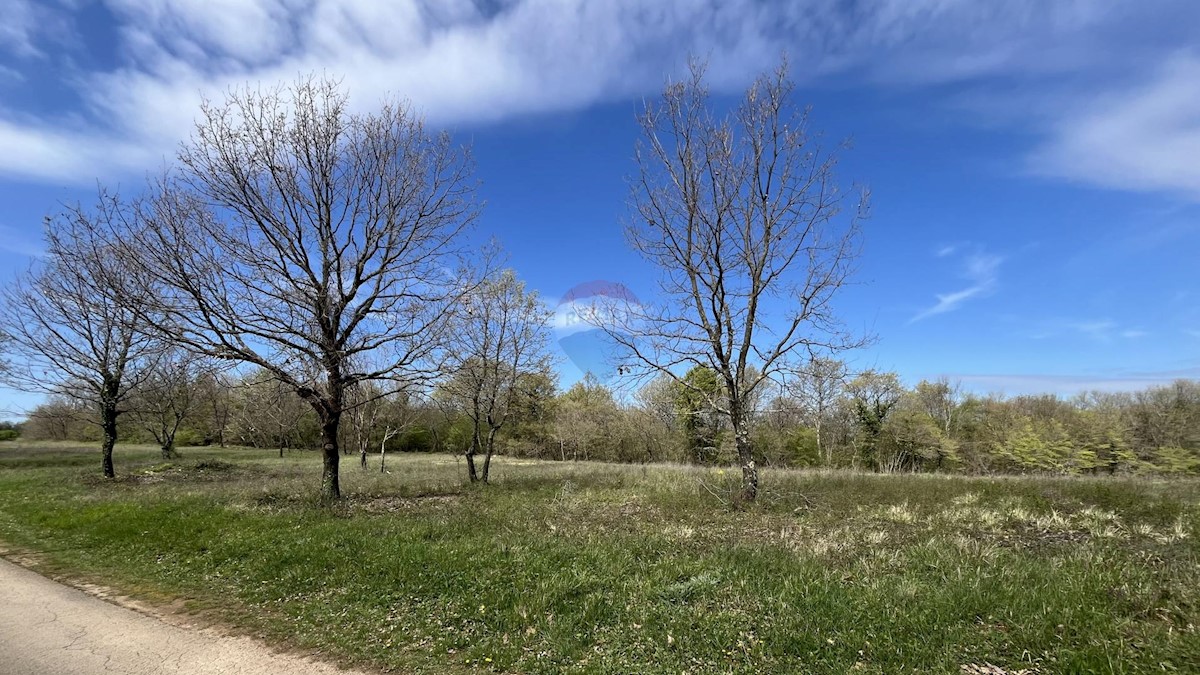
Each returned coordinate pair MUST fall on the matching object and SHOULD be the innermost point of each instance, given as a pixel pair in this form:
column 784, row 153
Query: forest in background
column 870, row 421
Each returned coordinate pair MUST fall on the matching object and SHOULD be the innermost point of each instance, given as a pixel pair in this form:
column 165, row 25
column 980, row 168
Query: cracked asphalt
column 50, row 629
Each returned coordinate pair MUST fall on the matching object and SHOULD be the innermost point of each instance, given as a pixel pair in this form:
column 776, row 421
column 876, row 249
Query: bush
column 188, row 437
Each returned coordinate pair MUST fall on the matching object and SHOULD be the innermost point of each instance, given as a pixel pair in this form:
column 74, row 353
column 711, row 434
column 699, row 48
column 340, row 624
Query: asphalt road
column 50, row 629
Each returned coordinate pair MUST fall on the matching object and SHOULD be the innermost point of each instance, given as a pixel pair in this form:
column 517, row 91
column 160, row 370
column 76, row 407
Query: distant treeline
column 870, row 421
column 10, row 431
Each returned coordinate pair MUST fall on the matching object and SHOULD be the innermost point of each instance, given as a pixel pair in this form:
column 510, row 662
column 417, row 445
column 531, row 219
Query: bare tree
column 168, row 395
column 587, row 419
column 657, row 416
column 303, row 238
column 72, row 323
column 364, row 404
column 741, row 215
column 268, row 412
column 817, row 386
column 375, row 414
column 58, row 418
column 214, row 392
column 391, row 429
column 940, row 400
column 501, row 337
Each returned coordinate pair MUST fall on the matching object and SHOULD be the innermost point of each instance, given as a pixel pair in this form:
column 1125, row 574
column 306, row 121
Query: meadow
column 607, row 568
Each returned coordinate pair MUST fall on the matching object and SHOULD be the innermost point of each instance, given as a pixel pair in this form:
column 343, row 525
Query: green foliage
column 874, row 423
column 1037, row 446
column 588, row 422
column 1177, row 461
column 419, row 439
column 911, row 440
column 187, row 437
column 796, row 447
column 873, row 395
column 695, row 399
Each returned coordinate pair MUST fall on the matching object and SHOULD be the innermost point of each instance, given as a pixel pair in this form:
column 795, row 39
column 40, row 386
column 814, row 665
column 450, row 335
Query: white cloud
column 980, row 269
column 1099, row 330
column 470, row 61
column 76, row 154
column 251, row 32
column 1141, row 137
column 456, row 63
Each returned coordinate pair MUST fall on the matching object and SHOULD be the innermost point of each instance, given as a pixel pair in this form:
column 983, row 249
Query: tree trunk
column 826, row 457
column 330, row 420
column 108, row 421
column 741, row 436
column 487, row 458
column 471, row 458
column 168, row 449
column 362, row 457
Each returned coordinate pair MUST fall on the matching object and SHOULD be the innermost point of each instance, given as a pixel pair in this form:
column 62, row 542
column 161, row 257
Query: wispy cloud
column 981, row 271
column 468, row 62
column 18, row 29
column 1144, row 136
column 1099, row 330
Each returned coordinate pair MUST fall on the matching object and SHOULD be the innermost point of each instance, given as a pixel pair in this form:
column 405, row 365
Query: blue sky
column 1035, row 166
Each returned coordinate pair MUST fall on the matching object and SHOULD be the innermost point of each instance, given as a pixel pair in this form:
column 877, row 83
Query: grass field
column 565, row 567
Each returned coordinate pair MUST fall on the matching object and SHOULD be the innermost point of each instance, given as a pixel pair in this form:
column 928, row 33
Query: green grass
column 563, row 567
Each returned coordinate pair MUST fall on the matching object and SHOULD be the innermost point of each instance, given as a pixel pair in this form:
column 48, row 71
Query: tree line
column 303, row 276
column 866, row 421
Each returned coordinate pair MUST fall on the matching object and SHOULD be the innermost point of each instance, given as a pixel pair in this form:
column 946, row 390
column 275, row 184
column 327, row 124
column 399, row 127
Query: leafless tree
column 268, row 412
column 940, row 400
column 376, row 414
column 657, row 416
column 500, row 337
column 744, row 219
column 168, row 395
column 817, row 386
column 303, row 238
column 364, row 403
column 391, row 429
column 71, row 322
column 58, row 418
column 214, row 391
